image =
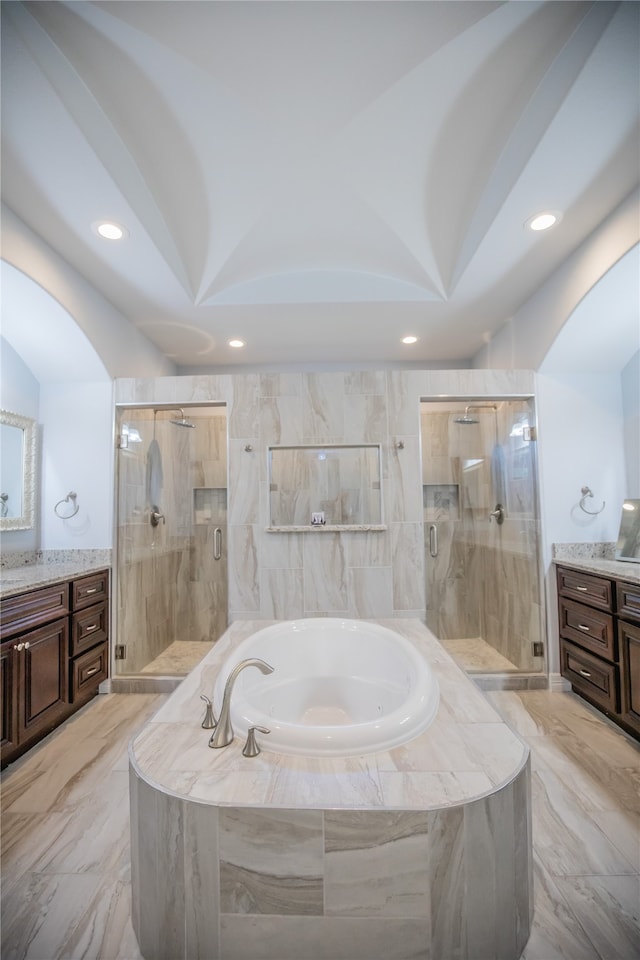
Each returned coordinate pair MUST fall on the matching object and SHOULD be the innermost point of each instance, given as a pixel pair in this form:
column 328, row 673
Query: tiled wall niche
column 370, row 574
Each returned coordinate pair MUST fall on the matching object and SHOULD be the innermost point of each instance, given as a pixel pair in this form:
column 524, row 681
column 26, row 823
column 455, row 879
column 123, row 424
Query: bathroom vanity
column 599, row 625
column 417, row 851
column 54, row 631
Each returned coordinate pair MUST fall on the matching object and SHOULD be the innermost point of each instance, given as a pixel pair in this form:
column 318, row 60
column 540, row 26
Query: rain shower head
column 182, row 422
column 465, row 418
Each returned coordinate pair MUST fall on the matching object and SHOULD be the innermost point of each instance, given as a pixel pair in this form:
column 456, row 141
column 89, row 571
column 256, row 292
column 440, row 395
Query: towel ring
column 70, row 496
column 586, row 492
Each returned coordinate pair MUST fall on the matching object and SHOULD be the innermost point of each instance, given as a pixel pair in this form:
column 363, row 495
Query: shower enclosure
column 482, row 533
column 171, row 522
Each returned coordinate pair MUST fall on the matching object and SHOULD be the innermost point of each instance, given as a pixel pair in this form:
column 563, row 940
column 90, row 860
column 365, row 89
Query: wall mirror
column 328, row 486
column 17, row 471
column 628, row 545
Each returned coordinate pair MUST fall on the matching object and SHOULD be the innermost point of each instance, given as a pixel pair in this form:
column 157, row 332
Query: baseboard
column 506, row 681
column 141, row 684
column 558, row 684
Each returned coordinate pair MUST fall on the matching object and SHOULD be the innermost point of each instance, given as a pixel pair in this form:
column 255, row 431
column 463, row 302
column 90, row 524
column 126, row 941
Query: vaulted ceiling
column 318, row 178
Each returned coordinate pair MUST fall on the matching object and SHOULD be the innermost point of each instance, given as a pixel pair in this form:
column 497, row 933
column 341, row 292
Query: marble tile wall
column 321, row 573
column 350, row 884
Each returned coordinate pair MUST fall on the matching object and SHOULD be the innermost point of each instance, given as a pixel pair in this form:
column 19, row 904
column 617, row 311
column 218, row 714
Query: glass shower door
column 484, row 592
column 171, row 568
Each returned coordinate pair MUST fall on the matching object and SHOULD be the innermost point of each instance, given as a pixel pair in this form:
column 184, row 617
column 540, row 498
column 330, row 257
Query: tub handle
column 217, row 543
column 433, row 540
column 209, row 721
column 251, row 748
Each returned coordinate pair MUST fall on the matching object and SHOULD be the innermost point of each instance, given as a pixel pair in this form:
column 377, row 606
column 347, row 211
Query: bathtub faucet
column 223, row 734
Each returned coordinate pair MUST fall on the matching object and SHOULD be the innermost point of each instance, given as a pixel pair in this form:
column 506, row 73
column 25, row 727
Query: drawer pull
column 94, row 626
column 585, row 673
column 92, row 671
column 582, row 589
column 581, row 626
column 95, row 590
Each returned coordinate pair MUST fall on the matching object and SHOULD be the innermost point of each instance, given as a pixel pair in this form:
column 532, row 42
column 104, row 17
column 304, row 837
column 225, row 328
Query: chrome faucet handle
column 209, row 722
column 251, row 748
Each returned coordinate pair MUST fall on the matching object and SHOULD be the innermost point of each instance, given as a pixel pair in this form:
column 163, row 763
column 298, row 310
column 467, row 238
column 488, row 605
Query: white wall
column 581, row 444
column 77, row 427
column 630, row 380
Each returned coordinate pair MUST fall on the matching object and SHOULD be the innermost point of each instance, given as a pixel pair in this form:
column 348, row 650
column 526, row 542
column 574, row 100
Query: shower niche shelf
column 441, row 501
column 325, row 488
column 209, row 505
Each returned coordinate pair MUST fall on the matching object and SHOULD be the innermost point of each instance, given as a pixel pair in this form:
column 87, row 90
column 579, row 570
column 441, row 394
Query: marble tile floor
column 178, row 659
column 475, row 655
column 65, row 834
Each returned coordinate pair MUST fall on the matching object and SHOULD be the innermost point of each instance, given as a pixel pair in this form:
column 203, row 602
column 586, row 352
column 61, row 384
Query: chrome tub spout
column 223, row 734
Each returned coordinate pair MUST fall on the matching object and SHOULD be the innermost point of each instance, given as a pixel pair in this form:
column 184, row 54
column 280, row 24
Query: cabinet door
column 42, row 679
column 629, row 642
column 9, row 693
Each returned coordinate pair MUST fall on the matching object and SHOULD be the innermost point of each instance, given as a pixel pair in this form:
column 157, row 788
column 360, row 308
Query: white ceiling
column 318, row 178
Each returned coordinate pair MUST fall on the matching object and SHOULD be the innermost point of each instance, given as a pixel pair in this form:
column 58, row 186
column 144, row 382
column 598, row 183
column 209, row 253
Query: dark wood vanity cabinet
column 54, row 654
column 599, row 621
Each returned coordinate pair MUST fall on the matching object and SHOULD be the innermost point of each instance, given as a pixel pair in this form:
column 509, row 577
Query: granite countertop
column 16, row 580
column 466, row 753
column 614, row 569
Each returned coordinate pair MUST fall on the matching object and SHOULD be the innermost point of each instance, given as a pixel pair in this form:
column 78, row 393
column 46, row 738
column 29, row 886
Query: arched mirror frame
column 26, row 519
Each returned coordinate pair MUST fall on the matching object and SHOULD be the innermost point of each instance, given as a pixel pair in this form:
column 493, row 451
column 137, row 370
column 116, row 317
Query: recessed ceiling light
column 410, row 339
column 542, row 221
column 109, row 230
column 236, row 343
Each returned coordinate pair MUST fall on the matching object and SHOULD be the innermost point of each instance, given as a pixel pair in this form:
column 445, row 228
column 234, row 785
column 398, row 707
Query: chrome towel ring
column 71, row 496
column 586, row 492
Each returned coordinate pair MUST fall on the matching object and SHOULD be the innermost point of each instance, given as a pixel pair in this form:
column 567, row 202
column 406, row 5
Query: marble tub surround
column 51, row 567
column 423, row 851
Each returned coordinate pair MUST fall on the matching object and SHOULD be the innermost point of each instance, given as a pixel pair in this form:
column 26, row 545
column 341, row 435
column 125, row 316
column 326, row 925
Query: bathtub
column 339, row 688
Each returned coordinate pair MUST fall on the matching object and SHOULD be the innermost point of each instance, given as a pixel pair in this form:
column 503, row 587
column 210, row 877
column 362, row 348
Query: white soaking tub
column 339, row 688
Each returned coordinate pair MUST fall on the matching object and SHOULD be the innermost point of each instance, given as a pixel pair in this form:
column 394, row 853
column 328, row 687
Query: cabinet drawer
column 586, row 588
column 89, row 627
column 89, row 590
column 595, row 678
column 592, row 629
column 88, row 670
column 28, row 610
column 629, row 643
column 628, row 601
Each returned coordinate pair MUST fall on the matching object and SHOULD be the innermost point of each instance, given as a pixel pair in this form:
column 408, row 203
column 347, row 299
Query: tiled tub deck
column 421, row 852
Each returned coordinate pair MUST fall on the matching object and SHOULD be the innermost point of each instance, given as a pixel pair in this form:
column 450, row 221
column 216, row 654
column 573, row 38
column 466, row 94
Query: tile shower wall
column 360, row 574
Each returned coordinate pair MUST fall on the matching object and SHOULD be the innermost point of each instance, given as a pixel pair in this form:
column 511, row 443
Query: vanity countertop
column 466, row 753
column 16, row 580
column 614, row 569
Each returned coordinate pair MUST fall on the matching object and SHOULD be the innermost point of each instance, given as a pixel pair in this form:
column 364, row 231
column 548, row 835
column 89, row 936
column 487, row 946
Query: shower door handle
column 433, row 540
column 217, row 543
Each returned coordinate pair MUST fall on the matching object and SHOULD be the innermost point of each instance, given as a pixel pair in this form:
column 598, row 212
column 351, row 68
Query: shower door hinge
column 529, row 433
column 120, row 651
column 538, row 648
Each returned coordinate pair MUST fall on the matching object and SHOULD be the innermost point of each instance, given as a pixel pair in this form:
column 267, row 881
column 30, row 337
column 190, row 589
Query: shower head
column 465, row 418
column 182, row 422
